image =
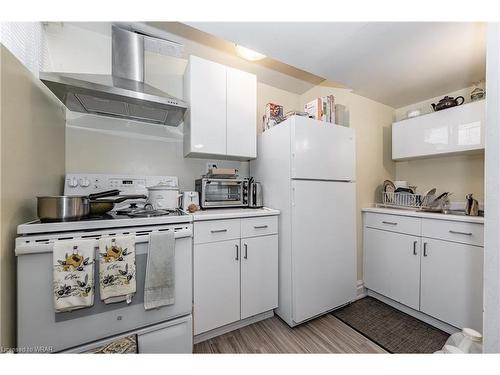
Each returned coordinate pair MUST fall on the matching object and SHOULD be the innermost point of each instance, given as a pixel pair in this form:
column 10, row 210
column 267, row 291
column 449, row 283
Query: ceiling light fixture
column 248, row 54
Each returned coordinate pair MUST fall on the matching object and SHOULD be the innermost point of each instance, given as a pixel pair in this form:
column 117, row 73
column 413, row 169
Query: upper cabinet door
column 241, row 114
column 322, row 151
column 448, row 131
column 205, row 122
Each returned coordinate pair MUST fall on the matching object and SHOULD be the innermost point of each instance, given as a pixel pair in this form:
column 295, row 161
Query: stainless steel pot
column 67, row 208
column 62, row 208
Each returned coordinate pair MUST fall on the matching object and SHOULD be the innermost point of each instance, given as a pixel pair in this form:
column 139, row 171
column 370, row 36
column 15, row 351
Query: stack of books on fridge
column 322, row 109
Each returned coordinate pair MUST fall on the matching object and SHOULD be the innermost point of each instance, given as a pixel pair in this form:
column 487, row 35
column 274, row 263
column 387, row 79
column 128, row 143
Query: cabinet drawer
column 259, row 226
column 457, row 231
column 216, row 230
column 395, row 223
column 174, row 337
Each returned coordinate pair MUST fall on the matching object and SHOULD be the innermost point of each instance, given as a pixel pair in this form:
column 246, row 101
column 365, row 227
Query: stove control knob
column 72, row 182
column 84, row 182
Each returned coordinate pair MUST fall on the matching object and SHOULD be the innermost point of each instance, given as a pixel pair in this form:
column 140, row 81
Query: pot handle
column 127, row 197
column 460, row 97
column 102, row 194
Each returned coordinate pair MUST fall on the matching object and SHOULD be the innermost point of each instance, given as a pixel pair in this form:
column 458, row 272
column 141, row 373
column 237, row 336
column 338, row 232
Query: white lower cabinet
column 234, row 279
column 259, row 276
column 216, row 284
column 441, row 277
column 452, row 283
column 392, row 265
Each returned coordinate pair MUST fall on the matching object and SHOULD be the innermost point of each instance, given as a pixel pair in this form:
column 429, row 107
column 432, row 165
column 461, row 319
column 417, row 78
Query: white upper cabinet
column 450, row 131
column 241, row 113
column 222, row 115
column 205, row 120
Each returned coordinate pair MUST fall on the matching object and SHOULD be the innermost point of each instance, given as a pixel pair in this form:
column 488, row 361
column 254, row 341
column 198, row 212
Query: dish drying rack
column 412, row 201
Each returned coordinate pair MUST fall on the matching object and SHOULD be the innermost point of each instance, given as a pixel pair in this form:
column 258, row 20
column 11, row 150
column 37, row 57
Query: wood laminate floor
column 326, row 334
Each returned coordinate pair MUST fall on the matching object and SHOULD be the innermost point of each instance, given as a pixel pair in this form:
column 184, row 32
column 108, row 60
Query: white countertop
column 232, row 213
column 425, row 215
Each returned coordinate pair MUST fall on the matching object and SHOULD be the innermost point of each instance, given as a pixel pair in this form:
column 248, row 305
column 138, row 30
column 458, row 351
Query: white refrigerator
column 307, row 169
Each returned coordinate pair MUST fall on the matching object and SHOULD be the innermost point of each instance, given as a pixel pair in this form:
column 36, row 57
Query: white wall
column 26, row 41
column 154, row 151
column 491, row 323
column 32, row 163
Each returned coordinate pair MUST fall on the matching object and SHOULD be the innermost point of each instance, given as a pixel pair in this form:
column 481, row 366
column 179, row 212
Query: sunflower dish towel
column 73, row 274
column 117, row 276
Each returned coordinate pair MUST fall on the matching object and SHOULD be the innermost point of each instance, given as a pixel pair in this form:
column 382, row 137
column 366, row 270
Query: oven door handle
column 47, row 247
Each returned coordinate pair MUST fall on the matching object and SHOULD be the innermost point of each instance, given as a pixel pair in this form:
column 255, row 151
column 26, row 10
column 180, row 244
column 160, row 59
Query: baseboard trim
column 416, row 314
column 232, row 326
column 360, row 290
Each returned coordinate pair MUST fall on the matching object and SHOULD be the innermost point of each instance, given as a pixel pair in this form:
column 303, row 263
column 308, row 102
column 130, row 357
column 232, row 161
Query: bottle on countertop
column 471, row 206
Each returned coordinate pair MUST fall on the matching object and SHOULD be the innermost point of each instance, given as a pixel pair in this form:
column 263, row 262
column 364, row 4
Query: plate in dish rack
column 388, row 187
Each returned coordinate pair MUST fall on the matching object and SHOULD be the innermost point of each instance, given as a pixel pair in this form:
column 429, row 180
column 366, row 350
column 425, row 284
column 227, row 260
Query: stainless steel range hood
column 122, row 94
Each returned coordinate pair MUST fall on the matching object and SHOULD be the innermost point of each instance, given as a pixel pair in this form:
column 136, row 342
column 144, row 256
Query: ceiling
column 395, row 63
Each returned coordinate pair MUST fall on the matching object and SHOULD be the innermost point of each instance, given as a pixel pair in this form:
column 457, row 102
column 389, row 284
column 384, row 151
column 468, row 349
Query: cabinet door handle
column 246, row 251
column 464, row 233
column 425, row 249
column 389, row 222
column 237, row 253
column 218, row 230
column 260, row 226
column 414, row 247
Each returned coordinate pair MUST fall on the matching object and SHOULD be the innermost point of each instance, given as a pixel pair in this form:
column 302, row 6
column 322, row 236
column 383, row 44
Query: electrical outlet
column 211, row 165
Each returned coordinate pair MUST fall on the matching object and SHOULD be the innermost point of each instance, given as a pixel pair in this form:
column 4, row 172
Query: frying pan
column 101, row 206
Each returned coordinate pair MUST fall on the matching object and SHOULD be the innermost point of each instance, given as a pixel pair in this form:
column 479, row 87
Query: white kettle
column 164, row 197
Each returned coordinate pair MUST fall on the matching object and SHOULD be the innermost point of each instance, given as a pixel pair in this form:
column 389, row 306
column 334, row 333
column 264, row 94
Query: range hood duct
column 123, row 94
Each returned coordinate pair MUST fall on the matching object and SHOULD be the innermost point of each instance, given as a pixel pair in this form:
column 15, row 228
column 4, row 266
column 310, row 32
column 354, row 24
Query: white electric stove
column 164, row 330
